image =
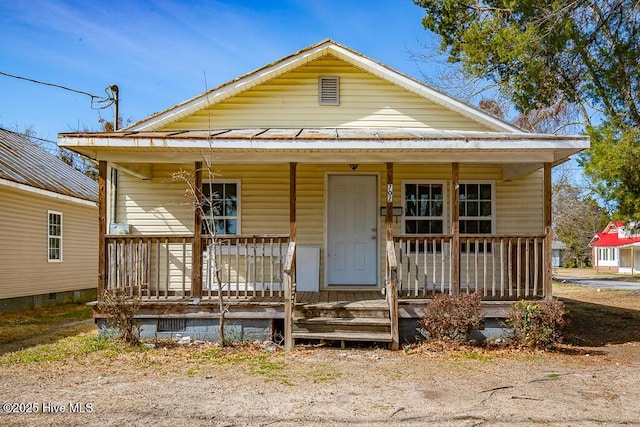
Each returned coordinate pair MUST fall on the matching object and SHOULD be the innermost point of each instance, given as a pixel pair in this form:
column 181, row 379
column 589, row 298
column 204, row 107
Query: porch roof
column 268, row 145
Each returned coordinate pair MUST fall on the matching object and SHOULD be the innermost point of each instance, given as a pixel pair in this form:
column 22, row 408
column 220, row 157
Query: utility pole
column 115, row 90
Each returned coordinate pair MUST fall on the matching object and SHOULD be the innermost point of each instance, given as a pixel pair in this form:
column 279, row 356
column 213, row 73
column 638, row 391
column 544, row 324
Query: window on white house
column 329, row 90
column 54, row 236
column 221, row 207
column 424, row 208
column 476, row 212
column 476, row 208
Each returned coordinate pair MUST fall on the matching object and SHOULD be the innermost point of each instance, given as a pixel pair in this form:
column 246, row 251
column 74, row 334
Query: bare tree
column 577, row 216
column 205, row 203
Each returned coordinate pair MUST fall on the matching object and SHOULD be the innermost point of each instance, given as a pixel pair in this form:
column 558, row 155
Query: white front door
column 352, row 232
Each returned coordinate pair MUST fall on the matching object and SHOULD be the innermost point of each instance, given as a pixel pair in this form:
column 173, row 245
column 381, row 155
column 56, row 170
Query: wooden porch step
column 350, row 321
column 344, row 336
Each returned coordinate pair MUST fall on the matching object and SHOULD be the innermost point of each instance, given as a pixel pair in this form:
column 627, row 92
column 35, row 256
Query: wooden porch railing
column 160, row 266
column 496, row 266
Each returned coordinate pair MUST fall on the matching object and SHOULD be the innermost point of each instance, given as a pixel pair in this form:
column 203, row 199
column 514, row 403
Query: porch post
column 392, row 285
column 388, row 220
column 290, row 268
column 196, row 245
column 455, row 229
column 102, row 227
column 547, row 231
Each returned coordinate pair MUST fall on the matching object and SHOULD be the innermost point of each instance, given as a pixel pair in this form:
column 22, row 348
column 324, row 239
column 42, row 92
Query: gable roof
column 23, row 162
column 610, row 237
column 304, row 56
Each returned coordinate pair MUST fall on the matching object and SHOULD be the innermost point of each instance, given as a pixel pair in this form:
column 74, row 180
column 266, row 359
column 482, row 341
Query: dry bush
column 453, row 317
column 537, row 324
column 121, row 310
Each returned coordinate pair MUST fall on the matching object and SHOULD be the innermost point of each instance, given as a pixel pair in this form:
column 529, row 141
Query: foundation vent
column 172, row 325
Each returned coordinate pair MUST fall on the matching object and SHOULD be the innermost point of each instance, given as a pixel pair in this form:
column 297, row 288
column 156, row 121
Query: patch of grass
column 30, row 327
column 474, row 355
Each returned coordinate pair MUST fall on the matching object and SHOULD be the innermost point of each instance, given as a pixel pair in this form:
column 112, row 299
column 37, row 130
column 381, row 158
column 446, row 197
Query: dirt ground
column 202, row 385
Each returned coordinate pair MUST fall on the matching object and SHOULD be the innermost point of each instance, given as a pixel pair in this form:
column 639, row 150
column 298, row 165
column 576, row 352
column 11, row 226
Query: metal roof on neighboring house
column 26, row 163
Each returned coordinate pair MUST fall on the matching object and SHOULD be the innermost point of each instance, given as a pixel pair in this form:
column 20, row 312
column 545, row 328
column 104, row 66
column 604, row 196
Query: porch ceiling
column 334, row 145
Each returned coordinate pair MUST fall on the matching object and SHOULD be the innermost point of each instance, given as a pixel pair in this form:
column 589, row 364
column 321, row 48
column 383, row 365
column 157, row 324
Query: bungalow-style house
column 346, row 194
column 616, row 249
column 48, row 227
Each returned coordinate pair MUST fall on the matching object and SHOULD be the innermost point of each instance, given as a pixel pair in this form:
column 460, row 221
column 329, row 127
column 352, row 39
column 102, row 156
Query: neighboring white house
column 616, row 249
column 48, row 227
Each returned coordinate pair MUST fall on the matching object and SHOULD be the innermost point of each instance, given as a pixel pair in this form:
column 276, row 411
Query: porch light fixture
column 353, row 166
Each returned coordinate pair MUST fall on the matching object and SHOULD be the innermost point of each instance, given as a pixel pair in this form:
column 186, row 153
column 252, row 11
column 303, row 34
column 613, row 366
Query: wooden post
column 292, row 201
column 547, row 285
column 290, row 266
column 196, row 245
column 392, row 266
column 389, row 217
column 455, row 229
column 102, row 227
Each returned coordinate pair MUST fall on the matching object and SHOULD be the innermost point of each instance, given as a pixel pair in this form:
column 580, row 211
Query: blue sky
column 159, row 51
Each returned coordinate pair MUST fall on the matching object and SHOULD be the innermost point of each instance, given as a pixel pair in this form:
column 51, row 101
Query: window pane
column 485, row 208
column 470, row 226
column 423, row 226
column 411, row 227
column 484, row 227
column 472, row 192
column 410, row 208
column 436, row 208
column 472, row 209
column 231, row 226
column 485, row 191
column 423, row 209
column 436, row 227
column 218, row 191
column 230, row 208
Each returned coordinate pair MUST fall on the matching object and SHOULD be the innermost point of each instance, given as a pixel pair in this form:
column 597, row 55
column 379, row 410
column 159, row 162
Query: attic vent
column 329, row 91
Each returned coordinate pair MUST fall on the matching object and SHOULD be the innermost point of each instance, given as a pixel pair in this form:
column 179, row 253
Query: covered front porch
column 256, row 276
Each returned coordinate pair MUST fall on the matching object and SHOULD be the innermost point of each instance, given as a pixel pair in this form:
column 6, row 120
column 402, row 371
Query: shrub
column 537, row 324
column 121, row 310
column 453, row 317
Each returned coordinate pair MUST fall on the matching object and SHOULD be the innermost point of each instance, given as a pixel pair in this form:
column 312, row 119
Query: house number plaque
column 390, row 193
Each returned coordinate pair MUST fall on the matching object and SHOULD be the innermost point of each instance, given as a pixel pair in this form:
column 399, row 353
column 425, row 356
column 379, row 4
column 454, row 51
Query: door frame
column 325, row 232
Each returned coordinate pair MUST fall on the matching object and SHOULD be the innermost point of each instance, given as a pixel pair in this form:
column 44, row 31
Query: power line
column 95, row 99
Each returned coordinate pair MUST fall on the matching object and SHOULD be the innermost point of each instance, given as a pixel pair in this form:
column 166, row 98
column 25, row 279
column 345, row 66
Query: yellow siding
column 159, row 206
column 291, row 100
column 24, row 269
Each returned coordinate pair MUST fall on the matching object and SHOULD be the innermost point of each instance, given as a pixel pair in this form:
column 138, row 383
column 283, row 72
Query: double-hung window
column 477, row 210
column 54, row 236
column 221, row 207
column 424, row 208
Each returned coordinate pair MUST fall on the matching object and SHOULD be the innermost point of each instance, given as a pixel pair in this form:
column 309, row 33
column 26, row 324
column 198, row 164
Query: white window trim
column 238, row 203
column 445, row 202
column 49, row 236
column 493, row 202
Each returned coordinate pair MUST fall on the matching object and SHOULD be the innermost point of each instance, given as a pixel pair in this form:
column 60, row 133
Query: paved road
column 601, row 283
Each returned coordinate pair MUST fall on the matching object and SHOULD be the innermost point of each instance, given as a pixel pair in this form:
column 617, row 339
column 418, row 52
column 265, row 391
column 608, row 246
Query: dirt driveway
column 97, row 383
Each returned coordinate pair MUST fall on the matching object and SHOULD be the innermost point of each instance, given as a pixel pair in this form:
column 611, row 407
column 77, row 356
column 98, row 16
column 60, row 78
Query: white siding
column 291, row 100
column 159, row 206
column 24, row 269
